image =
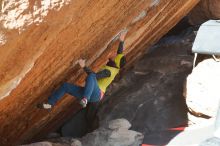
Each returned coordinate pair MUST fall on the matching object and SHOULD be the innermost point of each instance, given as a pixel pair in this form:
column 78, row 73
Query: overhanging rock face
column 42, row 40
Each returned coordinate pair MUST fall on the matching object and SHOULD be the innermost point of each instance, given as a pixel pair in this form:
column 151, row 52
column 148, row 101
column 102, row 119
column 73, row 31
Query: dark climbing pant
column 91, row 91
column 92, row 119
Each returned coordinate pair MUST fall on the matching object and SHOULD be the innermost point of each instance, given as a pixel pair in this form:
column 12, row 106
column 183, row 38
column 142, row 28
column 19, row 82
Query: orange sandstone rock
column 42, row 40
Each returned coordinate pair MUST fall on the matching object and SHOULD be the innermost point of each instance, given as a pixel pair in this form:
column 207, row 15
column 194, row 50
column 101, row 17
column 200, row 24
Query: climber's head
column 111, row 63
column 118, row 62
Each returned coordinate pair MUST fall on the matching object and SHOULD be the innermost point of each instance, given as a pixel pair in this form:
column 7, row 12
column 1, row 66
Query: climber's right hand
column 122, row 36
column 82, row 63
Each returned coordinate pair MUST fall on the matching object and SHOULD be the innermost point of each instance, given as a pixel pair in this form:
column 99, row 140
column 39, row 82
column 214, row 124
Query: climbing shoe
column 83, row 102
column 44, row 106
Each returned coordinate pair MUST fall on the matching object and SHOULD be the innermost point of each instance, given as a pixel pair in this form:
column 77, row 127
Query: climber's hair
column 113, row 64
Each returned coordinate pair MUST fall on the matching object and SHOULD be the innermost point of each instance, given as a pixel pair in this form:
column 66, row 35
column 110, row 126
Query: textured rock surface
column 117, row 136
column 42, row 39
column 115, row 133
column 205, row 10
column 62, row 142
column 119, row 123
column 40, row 144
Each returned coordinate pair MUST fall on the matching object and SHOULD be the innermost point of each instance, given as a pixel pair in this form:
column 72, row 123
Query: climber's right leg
column 71, row 89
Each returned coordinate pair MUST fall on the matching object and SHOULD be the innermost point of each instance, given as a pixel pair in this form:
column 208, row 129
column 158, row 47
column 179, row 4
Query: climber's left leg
column 91, row 90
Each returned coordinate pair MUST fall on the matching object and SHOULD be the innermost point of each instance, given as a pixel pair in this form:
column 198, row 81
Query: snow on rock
column 20, row 14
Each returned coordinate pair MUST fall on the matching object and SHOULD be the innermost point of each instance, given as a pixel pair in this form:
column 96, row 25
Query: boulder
column 203, row 89
column 116, row 135
column 119, row 123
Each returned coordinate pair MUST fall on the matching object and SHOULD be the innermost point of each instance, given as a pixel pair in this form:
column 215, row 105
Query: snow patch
column 20, row 14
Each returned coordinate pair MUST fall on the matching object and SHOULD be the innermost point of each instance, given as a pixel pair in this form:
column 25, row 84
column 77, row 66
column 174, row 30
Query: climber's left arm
column 120, row 58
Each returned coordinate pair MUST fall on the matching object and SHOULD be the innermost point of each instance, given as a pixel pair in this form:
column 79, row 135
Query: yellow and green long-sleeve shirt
column 103, row 83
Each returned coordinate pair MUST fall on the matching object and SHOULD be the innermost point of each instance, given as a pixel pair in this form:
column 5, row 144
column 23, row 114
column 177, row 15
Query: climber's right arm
column 103, row 74
column 82, row 63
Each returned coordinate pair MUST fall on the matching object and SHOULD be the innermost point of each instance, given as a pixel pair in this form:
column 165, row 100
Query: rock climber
column 95, row 84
